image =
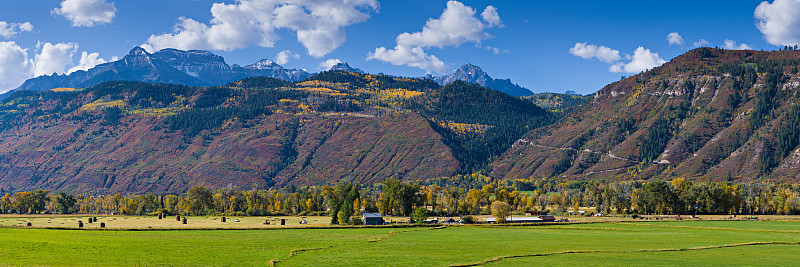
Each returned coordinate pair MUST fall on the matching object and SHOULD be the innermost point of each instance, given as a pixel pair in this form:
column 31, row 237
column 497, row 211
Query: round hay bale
column 90, row 219
column 94, row 219
column 223, row 219
column 178, row 218
column 184, row 220
column 30, row 224
column 283, row 221
column 160, row 216
column 102, row 225
column 80, row 224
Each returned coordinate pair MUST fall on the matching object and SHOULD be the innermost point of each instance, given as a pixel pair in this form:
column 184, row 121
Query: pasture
column 590, row 243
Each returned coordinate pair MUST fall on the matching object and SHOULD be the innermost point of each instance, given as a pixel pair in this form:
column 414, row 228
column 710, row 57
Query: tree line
column 344, row 202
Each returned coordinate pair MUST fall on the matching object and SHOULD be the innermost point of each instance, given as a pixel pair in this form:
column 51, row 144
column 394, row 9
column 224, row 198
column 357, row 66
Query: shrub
column 467, row 220
column 356, row 220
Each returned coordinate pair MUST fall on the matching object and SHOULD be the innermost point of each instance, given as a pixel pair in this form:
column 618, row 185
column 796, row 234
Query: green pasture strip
column 171, row 248
column 626, row 243
column 746, row 255
column 465, row 245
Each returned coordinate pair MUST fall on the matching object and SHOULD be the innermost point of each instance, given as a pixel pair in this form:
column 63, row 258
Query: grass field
column 651, row 243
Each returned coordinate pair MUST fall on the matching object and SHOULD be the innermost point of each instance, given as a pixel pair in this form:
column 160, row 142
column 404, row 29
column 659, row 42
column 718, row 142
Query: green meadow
column 602, row 243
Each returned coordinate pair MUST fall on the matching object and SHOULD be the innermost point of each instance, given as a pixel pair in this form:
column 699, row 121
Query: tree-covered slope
column 254, row 133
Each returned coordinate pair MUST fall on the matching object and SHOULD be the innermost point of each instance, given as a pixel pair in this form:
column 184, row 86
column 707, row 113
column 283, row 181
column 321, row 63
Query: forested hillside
column 254, row 133
column 709, row 114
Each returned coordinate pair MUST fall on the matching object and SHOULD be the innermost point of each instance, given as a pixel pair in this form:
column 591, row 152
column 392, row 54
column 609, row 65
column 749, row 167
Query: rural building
column 431, row 221
column 518, row 219
column 372, row 219
column 548, row 218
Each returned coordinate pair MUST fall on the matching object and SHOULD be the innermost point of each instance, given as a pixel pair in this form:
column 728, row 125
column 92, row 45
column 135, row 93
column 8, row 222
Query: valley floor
column 649, row 242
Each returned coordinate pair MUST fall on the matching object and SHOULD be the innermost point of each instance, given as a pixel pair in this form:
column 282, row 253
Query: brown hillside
column 708, row 114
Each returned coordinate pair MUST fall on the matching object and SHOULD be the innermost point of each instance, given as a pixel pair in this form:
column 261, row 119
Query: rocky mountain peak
column 345, row 67
column 474, row 74
column 263, row 64
column 138, row 51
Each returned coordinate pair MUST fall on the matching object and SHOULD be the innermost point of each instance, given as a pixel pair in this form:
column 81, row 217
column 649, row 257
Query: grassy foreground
column 611, row 243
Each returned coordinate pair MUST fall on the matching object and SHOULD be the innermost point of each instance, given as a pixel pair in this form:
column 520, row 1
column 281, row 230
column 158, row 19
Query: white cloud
column 328, row 64
column 457, row 25
column 15, row 67
column 590, row 51
column 88, row 61
column 701, row 42
column 53, row 58
column 779, row 21
column 9, row 30
column 319, row 25
column 408, row 56
column 491, row 16
column 86, row 13
column 675, row 39
column 731, row 45
column 496, row 51
column 642, row 60
column 284, row 56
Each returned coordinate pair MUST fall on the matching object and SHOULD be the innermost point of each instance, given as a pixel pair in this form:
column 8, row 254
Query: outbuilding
column 372, row 219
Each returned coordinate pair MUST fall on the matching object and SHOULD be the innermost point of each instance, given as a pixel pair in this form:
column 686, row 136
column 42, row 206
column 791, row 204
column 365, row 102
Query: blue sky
column 542, row 45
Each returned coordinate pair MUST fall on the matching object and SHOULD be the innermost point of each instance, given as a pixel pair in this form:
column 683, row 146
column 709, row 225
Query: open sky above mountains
column 542, row 45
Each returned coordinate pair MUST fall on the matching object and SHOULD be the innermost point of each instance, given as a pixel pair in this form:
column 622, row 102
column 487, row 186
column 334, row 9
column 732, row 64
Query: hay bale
column 178, row 218
column 184, row 220
column 95, row 219
column 283, row 221
column 30, row 224
column 160, row 216
column 102, row 225
column 223, row 218
column 90, row 219
column 80, row 224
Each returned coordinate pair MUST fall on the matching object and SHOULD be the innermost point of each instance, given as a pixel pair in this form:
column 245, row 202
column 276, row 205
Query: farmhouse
column 372, row 219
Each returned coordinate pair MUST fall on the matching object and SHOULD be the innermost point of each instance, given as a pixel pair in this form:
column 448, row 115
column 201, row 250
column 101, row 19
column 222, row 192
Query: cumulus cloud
column 589, row 51
column 15, row 66
column 701, row 42
column 9, row 30
column 54, row 58
column 319, row 25
column 86, row 13
column 732, row 45
column 284, row 56
column 88, row 61
column 328, row 64
column 641, row 60
column 491, row 17
column 457, row 25
column 674, row 39
column 779, row 21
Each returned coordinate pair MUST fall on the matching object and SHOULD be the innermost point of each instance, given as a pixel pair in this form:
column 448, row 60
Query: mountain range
column 203, row 68
column 709, row 114
column 193, row 68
